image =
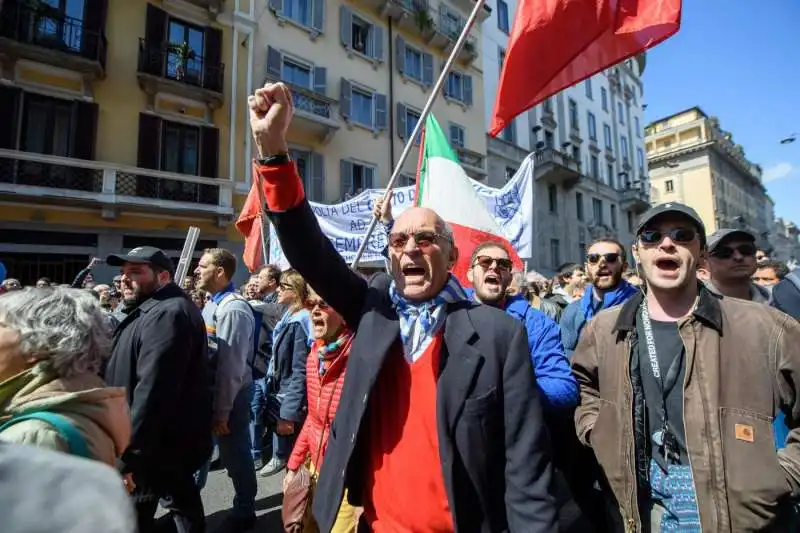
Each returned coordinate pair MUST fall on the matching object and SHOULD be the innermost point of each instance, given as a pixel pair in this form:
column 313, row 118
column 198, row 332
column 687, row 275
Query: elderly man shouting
column 440, row 425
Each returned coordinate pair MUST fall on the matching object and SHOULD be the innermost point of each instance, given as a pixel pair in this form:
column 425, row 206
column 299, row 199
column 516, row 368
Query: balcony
column 556, row 167
column 467, row 6
column 45, row 35
column 313, row 113
column 165, row 67
column 634, row 199
column 77, row 182
column 473, row 163
column 452, row 30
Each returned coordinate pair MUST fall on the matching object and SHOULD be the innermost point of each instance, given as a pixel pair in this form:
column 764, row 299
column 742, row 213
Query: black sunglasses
column 485, row 262
column 593, row 259
column 678, row 235
column 726, row 252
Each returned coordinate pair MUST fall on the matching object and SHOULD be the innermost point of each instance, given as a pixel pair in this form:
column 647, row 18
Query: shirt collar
column 217, row 298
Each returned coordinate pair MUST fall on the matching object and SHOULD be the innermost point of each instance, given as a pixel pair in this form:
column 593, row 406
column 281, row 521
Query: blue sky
column 738, row 60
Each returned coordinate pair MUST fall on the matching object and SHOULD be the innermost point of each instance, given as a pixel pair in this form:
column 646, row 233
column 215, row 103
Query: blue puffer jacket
column 553, row 374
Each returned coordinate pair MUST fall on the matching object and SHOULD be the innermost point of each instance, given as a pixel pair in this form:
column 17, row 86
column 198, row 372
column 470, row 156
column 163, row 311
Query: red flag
column 557, row 43
column 250, row 226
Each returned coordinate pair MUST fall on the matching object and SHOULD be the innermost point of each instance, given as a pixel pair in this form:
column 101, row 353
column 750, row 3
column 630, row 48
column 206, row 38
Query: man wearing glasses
column 679, row 387
column 732, row 263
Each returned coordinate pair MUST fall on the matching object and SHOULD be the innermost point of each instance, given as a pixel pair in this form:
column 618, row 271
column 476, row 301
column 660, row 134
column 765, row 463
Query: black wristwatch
column 273, row 160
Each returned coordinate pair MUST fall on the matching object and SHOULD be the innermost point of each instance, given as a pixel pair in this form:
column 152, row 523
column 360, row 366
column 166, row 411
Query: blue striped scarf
column 419, row 322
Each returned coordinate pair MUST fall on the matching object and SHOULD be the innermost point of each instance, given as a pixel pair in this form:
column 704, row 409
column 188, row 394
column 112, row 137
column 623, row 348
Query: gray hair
column 65, row 329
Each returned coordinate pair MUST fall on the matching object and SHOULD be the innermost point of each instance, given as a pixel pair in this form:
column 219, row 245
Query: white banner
column 346, row 223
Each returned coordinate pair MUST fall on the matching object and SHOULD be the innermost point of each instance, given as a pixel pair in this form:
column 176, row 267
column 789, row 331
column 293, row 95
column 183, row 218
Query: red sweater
column 319, row 390
column 404, row 484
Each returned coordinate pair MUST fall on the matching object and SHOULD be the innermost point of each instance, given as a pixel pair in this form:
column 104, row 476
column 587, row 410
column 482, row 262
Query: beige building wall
column 325, row 132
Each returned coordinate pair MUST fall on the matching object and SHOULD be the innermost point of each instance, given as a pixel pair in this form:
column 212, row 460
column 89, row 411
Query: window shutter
column 467, row 89
column 276, row 5
column 149, row 141
column 85, row 130
column 155, row 32
column 401, row 121
column 369, row 178
column 377, row 38
column 318, row 15
column 381, row 103
column 212, row 60
column 320, row 80
column 274, row 62
column 400, row 53
column 346, row 177
column 10, row 100
column 317, row 178
column 94, row 20
column 345, row 97
column 427, row 69
column 209, row 152
column 346, row 26
column 8, row 19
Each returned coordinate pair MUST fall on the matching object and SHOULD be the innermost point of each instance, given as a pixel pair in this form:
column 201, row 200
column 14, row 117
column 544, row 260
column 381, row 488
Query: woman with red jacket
column 325, row 370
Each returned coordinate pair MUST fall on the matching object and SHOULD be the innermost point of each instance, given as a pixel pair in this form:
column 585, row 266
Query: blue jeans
column 234, row 451
column 258, row 405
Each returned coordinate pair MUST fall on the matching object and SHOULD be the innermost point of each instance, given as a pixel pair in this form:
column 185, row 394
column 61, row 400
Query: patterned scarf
column 419, row 322
column 330, row 351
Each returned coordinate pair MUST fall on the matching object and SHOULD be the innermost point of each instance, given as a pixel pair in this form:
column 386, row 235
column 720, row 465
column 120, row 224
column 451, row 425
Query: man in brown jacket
column 678, row 391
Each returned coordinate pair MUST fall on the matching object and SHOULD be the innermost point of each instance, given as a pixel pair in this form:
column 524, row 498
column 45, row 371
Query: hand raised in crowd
column 383, row 209
column 271, row 111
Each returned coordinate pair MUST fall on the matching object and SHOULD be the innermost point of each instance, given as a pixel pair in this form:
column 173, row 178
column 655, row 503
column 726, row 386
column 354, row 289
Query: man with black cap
column 678, row 390
column 732, row 263
column 159, row 356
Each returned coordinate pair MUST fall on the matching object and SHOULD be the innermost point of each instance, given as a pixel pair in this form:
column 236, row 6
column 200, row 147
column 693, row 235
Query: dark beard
column 615, row 279
column 142, row 293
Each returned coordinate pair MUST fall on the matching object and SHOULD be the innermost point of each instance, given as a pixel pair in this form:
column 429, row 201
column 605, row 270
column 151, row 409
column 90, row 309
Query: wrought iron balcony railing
column 176, row 63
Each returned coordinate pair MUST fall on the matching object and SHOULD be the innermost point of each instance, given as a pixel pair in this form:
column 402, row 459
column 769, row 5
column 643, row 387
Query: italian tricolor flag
column 442, row 185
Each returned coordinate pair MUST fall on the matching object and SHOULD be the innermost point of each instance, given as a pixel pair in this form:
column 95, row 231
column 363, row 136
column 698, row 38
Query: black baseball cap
column 145, row 255
column 672, row 208
column 723, row 234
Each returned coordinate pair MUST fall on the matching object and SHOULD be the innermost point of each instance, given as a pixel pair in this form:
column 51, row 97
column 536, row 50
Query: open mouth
column 413, row 270
column 491, row 280
column 318, row 322
column 667, row 264
column 603, row 272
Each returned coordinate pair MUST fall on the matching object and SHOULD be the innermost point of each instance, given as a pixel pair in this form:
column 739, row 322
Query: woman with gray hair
column 53, row 344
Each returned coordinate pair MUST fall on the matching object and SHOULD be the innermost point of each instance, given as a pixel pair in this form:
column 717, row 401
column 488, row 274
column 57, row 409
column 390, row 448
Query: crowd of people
column 655, row 397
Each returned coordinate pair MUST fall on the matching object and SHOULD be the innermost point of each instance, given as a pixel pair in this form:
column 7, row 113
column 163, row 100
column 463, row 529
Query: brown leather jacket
column 742, row 364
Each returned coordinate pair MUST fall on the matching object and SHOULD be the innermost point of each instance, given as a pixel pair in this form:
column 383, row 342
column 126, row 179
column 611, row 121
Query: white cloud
column 778, row 171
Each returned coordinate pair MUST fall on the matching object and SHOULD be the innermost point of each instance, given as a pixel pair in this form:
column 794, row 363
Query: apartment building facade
column 694, row 161
column 122, row 128
column 591, row 172
column 360, row 73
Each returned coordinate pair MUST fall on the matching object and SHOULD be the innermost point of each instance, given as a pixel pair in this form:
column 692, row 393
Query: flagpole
column 264, row 221
column 437, row 87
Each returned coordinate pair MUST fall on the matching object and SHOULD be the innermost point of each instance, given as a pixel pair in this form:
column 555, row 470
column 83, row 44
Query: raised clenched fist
column 271, row 111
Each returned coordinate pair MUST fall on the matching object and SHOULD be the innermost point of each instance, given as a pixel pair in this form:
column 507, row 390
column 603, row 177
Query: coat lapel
column 460, row 361
column 381, row 330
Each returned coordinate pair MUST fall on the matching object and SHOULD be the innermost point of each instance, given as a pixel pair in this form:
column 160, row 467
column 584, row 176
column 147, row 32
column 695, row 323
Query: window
column 413, row 63
column 188, row 69
column 621, row 113
column 456, row 135
column 588, row 86
column 365, row 107
column 576, row 153
column 509, row 173
column 509, row 133
column 362, row 110
column 356, row 32
column 296, row 73
column 180, row 149
column 549, row 139
column 362, row 39
column 61, row 23
column 501, row 57
column 637, row 127
column 502, row 16
column 610, row 174
column 624, row 144
column 555, row 252
column 604, row 98
column 356, row 177
column 547, row 105
column 607, row 137
column 311, row 168
column 640, row 160
column 411, row 120
column 47, row 125
column 552, row 198
column 579, row 205
column 669, row 186
column 459, row 87
column 597, row 210
column 592, row 126
column 614, row 217
column 595, row 163
column 573, row 115
column 305, row 12
column 629, row 215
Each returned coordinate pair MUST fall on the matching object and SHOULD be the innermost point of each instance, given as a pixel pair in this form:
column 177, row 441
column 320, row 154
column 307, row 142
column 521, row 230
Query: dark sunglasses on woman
column 610, row 258
column 726, row 252
column 677, row 235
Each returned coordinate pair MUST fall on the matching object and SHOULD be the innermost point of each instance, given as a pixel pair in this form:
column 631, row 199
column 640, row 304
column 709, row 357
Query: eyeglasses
column 486, row 262
column 593, row 259
column 726, row 252
column 285, row 287
column 678, row 235
column 311, row 304
column 424, row 239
